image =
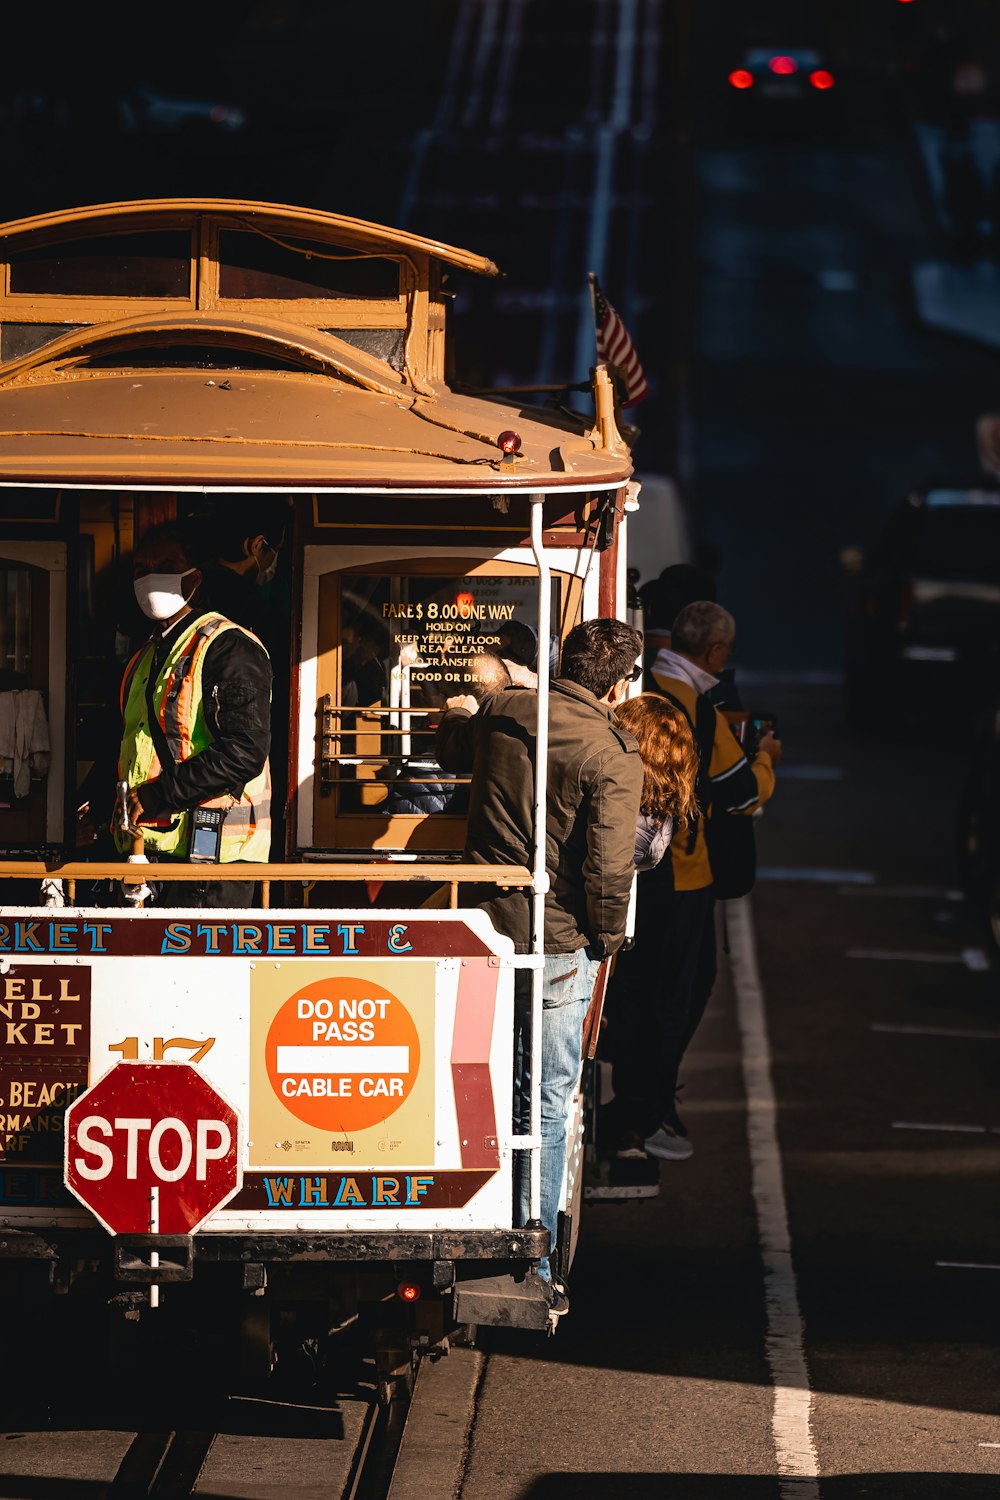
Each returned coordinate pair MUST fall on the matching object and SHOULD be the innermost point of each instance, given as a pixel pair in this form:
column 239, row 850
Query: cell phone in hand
column 760, row 724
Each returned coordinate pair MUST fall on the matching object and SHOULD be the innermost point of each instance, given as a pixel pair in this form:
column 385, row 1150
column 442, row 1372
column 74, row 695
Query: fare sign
column 152, row 1148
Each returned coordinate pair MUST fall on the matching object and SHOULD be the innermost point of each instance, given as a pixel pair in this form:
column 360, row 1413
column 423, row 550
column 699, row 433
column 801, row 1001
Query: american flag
column 616, row 348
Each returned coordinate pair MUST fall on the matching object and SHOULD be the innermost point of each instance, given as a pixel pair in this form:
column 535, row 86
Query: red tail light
column 741, row 79
column 783, row 66
column 821, row 79
column 408, row 1291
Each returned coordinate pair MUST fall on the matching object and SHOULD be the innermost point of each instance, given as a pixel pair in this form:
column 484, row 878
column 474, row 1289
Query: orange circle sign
column 342, row 1053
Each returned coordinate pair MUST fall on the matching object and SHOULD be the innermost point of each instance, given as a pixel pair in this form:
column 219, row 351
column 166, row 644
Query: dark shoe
column 556, row 1296
column 631, row 1147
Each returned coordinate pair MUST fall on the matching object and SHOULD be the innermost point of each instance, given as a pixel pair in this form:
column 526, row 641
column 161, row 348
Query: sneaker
column 669, row 1145
column 631, row 1148
column 555, row 1292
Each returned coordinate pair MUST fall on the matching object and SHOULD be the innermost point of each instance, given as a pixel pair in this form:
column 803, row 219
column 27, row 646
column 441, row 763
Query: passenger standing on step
column 594, row 788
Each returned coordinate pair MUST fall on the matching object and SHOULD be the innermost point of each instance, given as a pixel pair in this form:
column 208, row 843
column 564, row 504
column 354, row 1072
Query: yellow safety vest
column 178, row 701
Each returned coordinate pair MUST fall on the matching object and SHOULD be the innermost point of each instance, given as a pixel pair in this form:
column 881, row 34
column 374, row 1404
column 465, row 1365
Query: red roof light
column 821, row 79
column 741, row 79
column 509, row 441
column 784, row 66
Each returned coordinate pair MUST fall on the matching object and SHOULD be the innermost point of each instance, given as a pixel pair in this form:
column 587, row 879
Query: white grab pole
column 539, row 874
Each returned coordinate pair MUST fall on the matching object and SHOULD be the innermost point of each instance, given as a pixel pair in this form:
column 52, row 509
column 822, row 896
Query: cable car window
column 121, row 265
column 29, row 505
column 17, row 339
column 189, row 356
column 406, row 645
column 15, row 625
column 25, row 743
column 251, row 265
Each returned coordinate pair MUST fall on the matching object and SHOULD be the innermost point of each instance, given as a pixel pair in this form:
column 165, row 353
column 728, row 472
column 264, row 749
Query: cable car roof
column 207, row 399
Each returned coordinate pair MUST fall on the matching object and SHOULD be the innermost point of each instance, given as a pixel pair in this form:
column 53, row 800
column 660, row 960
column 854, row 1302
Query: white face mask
column 160, row 595
column 264, row 575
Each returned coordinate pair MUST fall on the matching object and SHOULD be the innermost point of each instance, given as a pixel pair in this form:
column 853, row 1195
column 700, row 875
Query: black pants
column 196, row 893
column 655, row 1002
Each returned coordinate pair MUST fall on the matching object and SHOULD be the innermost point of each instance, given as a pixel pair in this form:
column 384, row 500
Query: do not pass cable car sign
column 152, row 1148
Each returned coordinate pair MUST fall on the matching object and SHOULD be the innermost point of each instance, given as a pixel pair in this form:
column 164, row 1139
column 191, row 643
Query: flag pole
column 592, row 287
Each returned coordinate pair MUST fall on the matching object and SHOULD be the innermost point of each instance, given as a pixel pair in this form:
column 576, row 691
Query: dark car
column 979, row 823
column 787, row 88
column 146, row 109
column 924, row 614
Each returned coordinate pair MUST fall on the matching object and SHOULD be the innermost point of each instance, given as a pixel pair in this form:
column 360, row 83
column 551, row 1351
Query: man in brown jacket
column 594, row 787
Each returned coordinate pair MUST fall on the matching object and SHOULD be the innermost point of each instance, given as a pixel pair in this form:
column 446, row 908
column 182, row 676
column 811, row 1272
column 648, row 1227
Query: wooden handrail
column 308, row 875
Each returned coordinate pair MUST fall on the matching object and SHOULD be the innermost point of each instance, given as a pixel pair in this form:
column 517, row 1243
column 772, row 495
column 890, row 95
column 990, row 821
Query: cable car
column 179, row 361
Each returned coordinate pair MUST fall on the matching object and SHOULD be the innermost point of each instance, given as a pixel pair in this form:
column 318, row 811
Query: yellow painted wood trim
column 385, row 870
column 315, row 221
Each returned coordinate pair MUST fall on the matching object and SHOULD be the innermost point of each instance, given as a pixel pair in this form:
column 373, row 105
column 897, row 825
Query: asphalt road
column 884, row 1029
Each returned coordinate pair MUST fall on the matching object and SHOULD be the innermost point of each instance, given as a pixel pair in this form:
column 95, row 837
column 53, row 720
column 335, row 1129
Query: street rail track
column 168, row 1464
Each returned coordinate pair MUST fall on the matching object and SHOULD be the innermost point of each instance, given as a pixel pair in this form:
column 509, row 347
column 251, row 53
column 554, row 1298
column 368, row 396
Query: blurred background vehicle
column 979, row 822
column 147, row 109
column 923, row 619
column 784, row 88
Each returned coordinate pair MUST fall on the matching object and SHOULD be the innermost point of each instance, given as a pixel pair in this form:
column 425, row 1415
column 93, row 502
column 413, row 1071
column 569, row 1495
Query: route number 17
column 129, row 1047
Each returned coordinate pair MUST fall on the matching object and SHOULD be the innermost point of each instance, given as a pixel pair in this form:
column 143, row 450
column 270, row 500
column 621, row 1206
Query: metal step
column 502, row 1302
column 609, row 1180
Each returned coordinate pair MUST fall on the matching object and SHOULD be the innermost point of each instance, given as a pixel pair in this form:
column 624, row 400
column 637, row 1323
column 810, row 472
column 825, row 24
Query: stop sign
column 152, row 1148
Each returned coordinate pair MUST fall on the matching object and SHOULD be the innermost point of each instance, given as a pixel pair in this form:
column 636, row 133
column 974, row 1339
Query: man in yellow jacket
column 195, row 703
column 660, row 988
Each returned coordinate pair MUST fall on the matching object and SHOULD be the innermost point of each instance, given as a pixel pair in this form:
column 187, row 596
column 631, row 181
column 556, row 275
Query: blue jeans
column 567, row 984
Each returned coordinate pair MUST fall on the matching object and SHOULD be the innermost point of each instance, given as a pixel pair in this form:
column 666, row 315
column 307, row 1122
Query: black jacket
column 594, row 787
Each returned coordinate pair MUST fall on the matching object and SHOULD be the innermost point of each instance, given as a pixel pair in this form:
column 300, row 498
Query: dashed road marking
column 962, row 1033
column 922, row 1125
column 967, row 1265
column 816, row 875
column 908, row 892
column 974, row 959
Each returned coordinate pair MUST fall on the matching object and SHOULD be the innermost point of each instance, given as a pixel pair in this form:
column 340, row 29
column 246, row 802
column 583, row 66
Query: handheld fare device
column 206, row 835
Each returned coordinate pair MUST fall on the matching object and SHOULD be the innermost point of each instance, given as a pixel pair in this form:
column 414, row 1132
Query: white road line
column 489, row 18
column 797, row 1460
column 977, row 960
column 988, row 1445
column 974, row 959
column 649, row 89
column 911, row 892
column 905, row 955
column 957, row 1031
column 921, row 1125
column 603, row 195
column 510, row 45
column 423, row 139
column 817, row 875
column 966, row 1265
